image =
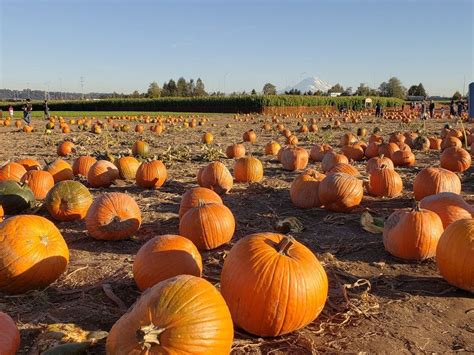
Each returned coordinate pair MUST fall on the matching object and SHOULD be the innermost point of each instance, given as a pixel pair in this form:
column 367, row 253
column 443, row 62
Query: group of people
column 27, row 110
column 425, row 108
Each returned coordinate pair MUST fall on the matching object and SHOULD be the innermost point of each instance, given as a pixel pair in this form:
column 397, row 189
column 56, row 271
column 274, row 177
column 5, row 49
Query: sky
column 123, row 45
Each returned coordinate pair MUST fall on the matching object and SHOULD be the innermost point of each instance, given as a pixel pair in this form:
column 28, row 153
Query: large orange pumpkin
column 128, row 167
column 331, row 158
column 248, row 169
column 273, row 284
column 39, row 181
column 272, row 148
column 208, row 226
column 431, row 181
column 235, row 151
column 65, row 148
column 294, row 158
column 412, row 234
column 12, row 171
column 318, row 151
column 340, row 192
column 9, row 335
column 61, row 170
column 163, row 257
column 344, row 168
column 113, row 216
column 102, row 174
column 404, row 157
column 68, row 201
column 455, row 254
column 29, row 164
column 191, row 199
column 44, row 253
column 353, row 151
column 449, row 206
column 377, row 162
column 384, row 182
column 388, row 149
column 82, row 165
column 181, row 315
column 151, row 175
column 216, row 177
column 455, row 159
column 372, row 150
column 305, row 188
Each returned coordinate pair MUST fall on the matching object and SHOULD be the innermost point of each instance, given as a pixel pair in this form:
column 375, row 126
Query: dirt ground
column 376, row 303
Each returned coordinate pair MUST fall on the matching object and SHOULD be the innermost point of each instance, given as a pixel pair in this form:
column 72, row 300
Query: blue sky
column 123, row 45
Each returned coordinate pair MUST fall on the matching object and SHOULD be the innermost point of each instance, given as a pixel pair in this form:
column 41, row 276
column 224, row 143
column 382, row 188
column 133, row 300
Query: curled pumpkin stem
column 285, row 244
column 416, row 206
column 149, row 335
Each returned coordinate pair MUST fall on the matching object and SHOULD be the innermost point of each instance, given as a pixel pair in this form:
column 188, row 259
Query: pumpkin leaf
column 371, row 224
column 289, row 225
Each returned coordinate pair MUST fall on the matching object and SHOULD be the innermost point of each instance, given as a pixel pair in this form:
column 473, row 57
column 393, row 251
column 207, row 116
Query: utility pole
column 82, row 87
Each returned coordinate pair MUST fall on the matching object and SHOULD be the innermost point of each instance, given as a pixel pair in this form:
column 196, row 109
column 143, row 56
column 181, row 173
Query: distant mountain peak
column 312, row 84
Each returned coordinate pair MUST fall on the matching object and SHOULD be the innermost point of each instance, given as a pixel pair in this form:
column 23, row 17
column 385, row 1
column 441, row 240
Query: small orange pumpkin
column 305, row 188
column 191, row 199
column 127, row 167
column 248, row 169
column 216, row 176
column 61, row 170
column 235, row 151
column 102, row 174
column 151, row 175
column 82, row 165
column 39, row 181
column 12, row 171
column 68, row 201
column 113, row 216
column 163, row 257
column 431, row 181
column 340, row 192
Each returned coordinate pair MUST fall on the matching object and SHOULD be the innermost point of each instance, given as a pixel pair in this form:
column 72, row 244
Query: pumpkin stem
column 149, row 335
column 285, row 244
column 201, row 202
column 416, row 206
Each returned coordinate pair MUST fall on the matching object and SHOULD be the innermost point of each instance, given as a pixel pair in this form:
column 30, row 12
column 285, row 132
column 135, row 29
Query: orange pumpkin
column 9, row 336
column 40, row 182
column 12, row 171
column 340, row 192
column 412, row 234
column 272, row 148
column 65, row 148
column 248, row 169
column 61, row 170
column 273, row 284
column 140, row 149
column 455, row 159
column 347, row 138
column 294, row 158
column 102, row 174
column 44, row 254
column 331, row 158
column 455, row 254
column 435, row 143
column 318, row 151
column 451, row 142
column 353, row 151
column 235, row 151
column 216, row 177
column 384, row 182
column 29, row 164
column 377, row 162
column 181, row 315
column 127, row 167
column 304, row 189
column 449, row 206
column 403, row 157
column 344, row 168
column 431, row 181
column 151, row 175
column 388, row 149
column 82, row 165
column 208, row 226
column 207, row 138
column 113, row 216
column 372, row 150
column 163, row 257
column 191, row 199
column 250, row 136
column 68, row 201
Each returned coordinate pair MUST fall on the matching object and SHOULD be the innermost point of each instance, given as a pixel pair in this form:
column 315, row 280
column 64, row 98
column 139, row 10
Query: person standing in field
column 451, row 108
column 460, row 107
column 423, row 111
column 27, row 108
column 10, row 111
column 46, row 110
column 432, row 108
column 378, row 109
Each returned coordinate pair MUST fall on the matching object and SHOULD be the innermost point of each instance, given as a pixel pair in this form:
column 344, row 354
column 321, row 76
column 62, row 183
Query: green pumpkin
column 15, row 197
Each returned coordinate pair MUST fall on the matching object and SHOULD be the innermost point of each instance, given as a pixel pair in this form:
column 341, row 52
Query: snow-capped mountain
column 310, row 84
